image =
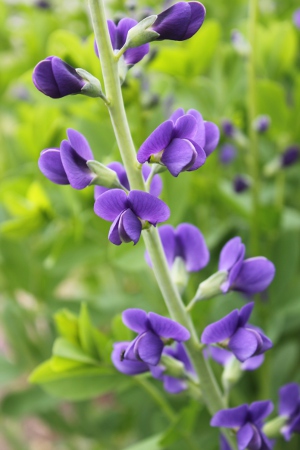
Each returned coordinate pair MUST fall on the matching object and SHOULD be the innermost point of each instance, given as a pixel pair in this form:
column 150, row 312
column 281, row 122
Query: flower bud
column 104, row 176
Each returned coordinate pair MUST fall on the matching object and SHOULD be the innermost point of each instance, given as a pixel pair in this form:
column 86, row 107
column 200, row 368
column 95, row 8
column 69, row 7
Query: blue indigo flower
column 118, row 36
column 227, row 154
column 296, row 18
column 129, row 213
column 240, row 184
column 185, row 242
column 225, row 357
column 155, row 187
column 154, row 332
column 228, row 128
column 234, row 332
column 126, row 366
column 290, row 156
column 181, row 143
column 249, row 421
column 171, row 384
column 55, row 78
column 262, row 123
column 289, row 407
column 249, row 276
column 179, row 22
column 67, row 164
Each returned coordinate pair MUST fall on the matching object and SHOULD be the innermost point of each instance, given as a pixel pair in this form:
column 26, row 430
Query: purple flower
column 129, row 213
column 171, row 384
column 290, row 156
column 181, row 143
column 233, row 331
column 240, row 184
column 185, row 242
column 155, row 187
column 289, row 407
column 179, row 22
column 250, row 276
column 224, row 357
column 126, row 366
column 224, row 444
column 228, row 128
column 154, row 332
column 227, row 154
column 67, row 164
column 118, row 36
column 56, row 78
column 248, row 420
column 296, row 18
column 262, row 124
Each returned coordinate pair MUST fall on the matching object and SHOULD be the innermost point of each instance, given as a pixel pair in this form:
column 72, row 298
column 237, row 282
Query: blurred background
column 54, row 252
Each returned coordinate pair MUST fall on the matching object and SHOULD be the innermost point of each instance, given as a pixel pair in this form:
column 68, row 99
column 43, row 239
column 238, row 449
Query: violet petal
column 135, row 319
column 168, row 328
column 179, row 156
column 129, row 227
column 260, row 409
column 221, row 330
column 212, row 137
column 110, row 204
column 148, row 207
column 244, row 436
column 78, row 173
column 199, row 137
column 126, row 366
column 245, row 313
column 230, row 418
column 185, row 127
column 254, row 276
column 289, row 396
column 80, row 144
column 194, row 248
column 200, row 157
column 51, row 166
column 113, row 234
column 230, row 253
column 157, row 141
column 149, row 348
column 243, row 344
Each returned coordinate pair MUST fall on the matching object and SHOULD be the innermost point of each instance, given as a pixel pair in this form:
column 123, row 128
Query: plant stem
column 211, row 391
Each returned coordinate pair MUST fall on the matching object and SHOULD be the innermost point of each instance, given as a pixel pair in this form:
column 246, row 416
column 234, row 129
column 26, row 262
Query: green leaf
column 86, row 332
column 68, row 350
column 67, row 325
column 152, row 443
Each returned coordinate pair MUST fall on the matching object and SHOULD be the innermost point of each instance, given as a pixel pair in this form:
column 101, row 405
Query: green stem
column 253, row 140
column 211, row 391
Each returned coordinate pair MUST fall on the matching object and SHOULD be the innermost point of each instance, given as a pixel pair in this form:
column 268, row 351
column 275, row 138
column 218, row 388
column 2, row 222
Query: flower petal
column 129, row 227
column 66, row 77
column 174, row 385
column 110, row 204
column 220, row 355
column 245, row 313
column 259, row 410
column 289, row 399
column 185, row 127
column 224, row 444
column 254, row 276
column 230, row 418
column 113, row 234
column 197, row 17
column 134, row 55
column 136, row 319
column 168, row 328
column 51, row 166
column 123, row 27
column 212, row 137
column 173, row 22
column 149, row 348
column 157, row 141
column 243, row 344
column 199, row 137
column 124, row 365
column 179, row 156
column 112, row 29
column 176, row 114
column 148, row 207
column 231, row 253
column 44, row 80
column 80, row 144
column 77, row 171
column 167, row 236
column 156, row 183
column 200, row 158
column 253, row 363
column 245, row 435
column 221, row 330
column 192, row 247
column 122, row 176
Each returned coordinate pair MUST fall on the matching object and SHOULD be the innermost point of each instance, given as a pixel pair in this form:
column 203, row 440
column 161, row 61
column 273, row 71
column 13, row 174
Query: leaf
column 68, row 350
column 120, row 331
column 8, row 371
column 67, row 325
column 86, row 332
column 152, row 443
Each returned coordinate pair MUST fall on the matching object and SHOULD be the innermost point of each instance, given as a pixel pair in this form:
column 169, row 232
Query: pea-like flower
column 227, row 154
column 262, row 123
column 118, row 35
column 290, row 156
column 225, row 357
column 249, row 276
column 126, row 366
column 179, row 22
column 289, row 407
column 67, row 164
column 249, row 421
column 129, row 213
column 234, row 332
column 185, row 242
column 240, row 184
column 155, row 186
column 154, row 332
column 181, row 143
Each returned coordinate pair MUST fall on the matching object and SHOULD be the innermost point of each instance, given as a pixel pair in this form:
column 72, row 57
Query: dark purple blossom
column 249, row 421
column 155, row 187
column 179, row 22
column 262, row 124
column 250, row 276
column 234, row 332
column 224, row 357
column 296, row 18
column 118, row 36
column 55, row 78
column 127, row 212
column 67, row 164
column 181, row 143
column 185, row 242
column 154, row 332
column 290, row 156
column 127, row 366
column 289, row 407
column 228, row 128
column 171, row 384
column 240, row 184
column 227, row 154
